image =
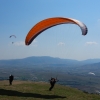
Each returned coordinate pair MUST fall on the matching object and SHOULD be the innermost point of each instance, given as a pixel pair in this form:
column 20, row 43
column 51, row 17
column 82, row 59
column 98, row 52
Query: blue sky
column 17, row 17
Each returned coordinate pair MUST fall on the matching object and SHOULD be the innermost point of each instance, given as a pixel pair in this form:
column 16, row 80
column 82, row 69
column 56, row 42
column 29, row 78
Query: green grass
column 26, row 90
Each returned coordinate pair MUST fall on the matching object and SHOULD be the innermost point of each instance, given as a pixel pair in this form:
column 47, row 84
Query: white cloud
column 61, row 43
column 98, row 20
column 20, row 43
column 91, row 43
column 91, row 73
column 34, row 43
column 98, row 23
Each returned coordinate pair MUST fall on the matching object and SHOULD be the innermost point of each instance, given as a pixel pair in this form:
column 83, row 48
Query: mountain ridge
column 47, row 60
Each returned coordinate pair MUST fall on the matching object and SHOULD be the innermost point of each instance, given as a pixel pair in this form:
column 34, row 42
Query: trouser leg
column 51, row 87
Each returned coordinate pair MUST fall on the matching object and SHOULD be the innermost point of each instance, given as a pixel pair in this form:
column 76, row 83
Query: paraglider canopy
column 50, row 22
column 12, row 36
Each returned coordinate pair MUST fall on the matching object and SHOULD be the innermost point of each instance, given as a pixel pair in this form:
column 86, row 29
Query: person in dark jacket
column 52, row 83
column 11, row 78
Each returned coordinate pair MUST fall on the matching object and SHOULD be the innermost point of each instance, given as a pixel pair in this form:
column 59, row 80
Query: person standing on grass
column 11, row 78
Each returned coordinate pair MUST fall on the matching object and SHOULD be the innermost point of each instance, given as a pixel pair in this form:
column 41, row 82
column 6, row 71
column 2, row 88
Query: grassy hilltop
column 26, row 90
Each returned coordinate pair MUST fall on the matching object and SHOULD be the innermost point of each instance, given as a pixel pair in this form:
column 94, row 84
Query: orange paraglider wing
column 50, row 22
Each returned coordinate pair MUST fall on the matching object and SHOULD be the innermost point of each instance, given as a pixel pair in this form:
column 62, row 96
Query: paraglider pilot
column 11, row 78
column 52, row 83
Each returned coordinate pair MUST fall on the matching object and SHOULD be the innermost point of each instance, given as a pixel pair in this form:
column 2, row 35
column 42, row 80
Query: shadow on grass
column 21, row 94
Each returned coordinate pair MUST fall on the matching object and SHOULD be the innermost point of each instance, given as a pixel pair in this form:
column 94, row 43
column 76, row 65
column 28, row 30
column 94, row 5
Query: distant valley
column 69, row 72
